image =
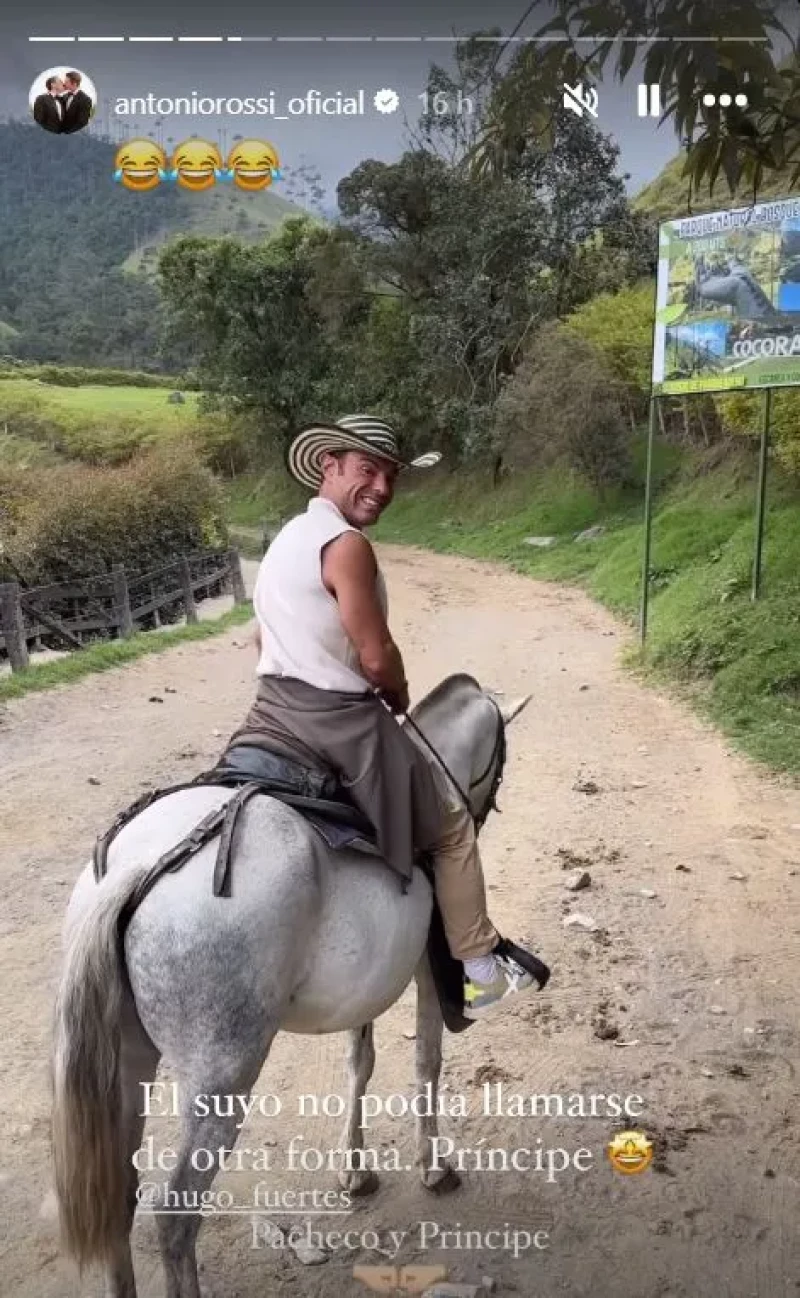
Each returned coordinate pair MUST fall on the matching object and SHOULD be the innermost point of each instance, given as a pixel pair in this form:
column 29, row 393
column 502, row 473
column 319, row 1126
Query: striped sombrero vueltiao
column 350, row 433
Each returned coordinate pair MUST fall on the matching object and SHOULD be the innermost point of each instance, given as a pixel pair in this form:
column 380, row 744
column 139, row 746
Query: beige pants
column 460, row 890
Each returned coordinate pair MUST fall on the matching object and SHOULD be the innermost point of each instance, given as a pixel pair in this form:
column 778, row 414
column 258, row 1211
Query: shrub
column 76, row 376
column 69, row 522
column 227, row 443
column 620, row 326
column 564, row 403
column 743, row 412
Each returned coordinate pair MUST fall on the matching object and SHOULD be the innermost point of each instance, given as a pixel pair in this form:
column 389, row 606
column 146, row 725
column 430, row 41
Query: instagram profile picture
column 62, row 99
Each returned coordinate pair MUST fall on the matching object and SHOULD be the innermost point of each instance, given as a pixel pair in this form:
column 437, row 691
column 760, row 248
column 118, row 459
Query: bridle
column 494, row 766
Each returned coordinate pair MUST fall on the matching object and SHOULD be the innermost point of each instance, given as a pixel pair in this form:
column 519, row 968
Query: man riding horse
column 330, row 676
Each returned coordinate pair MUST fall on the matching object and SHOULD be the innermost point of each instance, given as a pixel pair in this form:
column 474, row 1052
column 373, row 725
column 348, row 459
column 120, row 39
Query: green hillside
column 228, row 210
column 70, row 236
column 667, row 196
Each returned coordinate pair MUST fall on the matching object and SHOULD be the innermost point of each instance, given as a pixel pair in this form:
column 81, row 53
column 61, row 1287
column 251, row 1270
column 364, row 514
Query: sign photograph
column 728, row 300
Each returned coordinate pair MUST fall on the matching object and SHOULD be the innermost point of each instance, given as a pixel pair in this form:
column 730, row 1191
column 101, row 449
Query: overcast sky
column 288, row 67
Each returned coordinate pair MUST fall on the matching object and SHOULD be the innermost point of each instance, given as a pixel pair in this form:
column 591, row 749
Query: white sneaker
column 481, row 998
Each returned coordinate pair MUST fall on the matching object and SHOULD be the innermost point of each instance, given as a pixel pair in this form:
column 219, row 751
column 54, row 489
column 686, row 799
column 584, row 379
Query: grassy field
column 149, row 404
column 736, row 661
column 97, row 424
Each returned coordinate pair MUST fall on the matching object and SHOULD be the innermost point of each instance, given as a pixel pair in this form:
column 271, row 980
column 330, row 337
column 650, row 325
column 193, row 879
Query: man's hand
column 398, row 701
column 349, row 573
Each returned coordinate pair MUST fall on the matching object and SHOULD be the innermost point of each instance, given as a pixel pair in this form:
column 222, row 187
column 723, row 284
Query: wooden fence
column 112, row 605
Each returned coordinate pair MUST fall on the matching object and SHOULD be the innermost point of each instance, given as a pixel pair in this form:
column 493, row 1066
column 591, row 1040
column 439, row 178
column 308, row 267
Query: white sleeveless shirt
column 301, row 630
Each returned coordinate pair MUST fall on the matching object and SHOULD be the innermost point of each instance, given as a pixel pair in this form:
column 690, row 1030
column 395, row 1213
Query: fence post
column 188, row 594
column 237, row 580
column 12, row 625
column 122, row 600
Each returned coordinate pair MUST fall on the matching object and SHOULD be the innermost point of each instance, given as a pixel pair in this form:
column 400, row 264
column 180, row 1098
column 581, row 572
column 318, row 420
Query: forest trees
column 721, row 46
column 422, row 300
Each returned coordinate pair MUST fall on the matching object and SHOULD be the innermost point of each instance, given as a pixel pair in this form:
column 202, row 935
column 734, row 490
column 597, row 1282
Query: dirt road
column 687, row 993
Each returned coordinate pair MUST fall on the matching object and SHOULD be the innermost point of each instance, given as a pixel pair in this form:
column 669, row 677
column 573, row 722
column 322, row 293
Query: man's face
column 57, row 87
column 361, row 486
column 70, row 86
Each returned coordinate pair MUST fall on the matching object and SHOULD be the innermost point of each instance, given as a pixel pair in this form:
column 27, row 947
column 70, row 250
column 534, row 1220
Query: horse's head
column 467, row 727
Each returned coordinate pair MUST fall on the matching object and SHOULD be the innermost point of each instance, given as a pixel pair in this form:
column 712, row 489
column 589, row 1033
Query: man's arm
column 349, row 573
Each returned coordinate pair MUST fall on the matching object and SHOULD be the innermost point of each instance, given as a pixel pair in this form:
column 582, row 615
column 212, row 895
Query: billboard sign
column 728, row 300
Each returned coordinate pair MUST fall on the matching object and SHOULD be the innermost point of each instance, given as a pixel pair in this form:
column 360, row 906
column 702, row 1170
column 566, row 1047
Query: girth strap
column 103, row 843
column 230, row 822
column 202, row 833
column 169, row 862
column 223, row 821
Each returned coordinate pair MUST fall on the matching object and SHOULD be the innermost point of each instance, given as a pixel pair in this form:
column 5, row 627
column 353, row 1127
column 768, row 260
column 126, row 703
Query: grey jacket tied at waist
column 388, row 775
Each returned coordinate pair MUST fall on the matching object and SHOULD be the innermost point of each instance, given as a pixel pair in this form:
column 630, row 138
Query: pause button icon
column 649, row 101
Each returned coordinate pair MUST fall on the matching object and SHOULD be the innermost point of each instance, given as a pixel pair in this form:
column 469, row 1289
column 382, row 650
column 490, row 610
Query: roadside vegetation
column 737, row 661
column 71, row 521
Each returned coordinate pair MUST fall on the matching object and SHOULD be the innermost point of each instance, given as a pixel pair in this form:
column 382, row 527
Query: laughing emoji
column 140, row 164
column 253, row 164
column 196, row 164
column 630, row 1151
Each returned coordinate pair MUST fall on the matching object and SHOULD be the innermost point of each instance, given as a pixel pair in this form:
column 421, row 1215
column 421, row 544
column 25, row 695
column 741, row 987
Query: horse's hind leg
column 220, row 1077
column 138, row 1063
column 361, row 1062
column 437, row 1174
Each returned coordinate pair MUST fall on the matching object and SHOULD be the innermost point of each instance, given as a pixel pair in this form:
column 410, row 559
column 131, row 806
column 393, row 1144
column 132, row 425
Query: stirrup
column 535, row 967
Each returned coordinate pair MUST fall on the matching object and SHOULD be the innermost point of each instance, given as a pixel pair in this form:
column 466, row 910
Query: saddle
column 322, row 800
column 320, row 795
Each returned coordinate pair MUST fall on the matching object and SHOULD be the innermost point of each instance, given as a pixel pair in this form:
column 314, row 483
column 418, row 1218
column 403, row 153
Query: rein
column 496, row 763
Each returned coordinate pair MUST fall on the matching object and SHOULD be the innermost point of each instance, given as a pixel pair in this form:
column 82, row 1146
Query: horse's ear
column 513, row 709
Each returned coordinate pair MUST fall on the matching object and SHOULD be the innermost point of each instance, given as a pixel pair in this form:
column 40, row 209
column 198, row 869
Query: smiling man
column 325, row 655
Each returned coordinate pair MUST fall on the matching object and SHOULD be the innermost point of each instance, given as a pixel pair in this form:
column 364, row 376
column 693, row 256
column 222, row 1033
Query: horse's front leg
column 437, row 1174
column 361, row 1062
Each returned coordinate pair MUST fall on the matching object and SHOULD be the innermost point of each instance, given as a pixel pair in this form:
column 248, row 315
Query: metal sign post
column 648, row 522
column 761, row 497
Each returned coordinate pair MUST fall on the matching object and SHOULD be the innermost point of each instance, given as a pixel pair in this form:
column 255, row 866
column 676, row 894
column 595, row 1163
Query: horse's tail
column 92, row 1174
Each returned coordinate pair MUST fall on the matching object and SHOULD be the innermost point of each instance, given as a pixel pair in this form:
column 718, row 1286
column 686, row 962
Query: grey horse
column 310, row 942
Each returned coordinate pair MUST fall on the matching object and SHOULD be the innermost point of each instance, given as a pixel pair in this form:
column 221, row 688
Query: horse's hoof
column 360, row 1184
column 445, row 1184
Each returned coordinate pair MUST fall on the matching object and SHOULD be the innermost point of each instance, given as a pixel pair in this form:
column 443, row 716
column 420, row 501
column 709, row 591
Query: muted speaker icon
column 576, row 99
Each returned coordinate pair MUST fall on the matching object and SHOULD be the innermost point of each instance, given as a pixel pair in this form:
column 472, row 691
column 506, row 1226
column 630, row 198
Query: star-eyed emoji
column 630, row 1151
